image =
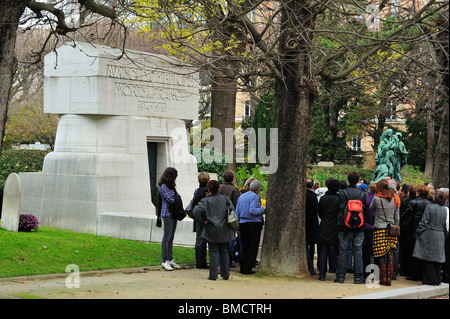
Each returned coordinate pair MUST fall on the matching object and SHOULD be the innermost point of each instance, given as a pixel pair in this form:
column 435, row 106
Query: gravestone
column 11, row 203
column 122, row 121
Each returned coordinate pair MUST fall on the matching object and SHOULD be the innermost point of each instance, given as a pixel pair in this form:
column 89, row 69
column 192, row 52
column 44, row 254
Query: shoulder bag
column 233, row 221
column 392, row 230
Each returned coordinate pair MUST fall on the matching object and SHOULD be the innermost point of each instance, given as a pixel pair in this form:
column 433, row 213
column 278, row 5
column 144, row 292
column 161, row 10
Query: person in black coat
column 200, row 243
column 312, row 224
column 410, row 221
column 328, row 210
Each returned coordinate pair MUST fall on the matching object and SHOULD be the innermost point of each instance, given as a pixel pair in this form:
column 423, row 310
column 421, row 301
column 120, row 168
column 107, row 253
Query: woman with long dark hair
column 167, row 196
column 387, row 205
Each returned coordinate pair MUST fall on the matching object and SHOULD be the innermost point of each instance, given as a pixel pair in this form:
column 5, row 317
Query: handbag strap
column 382, row 206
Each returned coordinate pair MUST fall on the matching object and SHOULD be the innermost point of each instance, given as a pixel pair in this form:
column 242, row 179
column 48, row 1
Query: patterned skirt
column 382, row 243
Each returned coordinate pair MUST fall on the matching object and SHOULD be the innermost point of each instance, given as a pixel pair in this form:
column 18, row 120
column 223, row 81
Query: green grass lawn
column 49, row 251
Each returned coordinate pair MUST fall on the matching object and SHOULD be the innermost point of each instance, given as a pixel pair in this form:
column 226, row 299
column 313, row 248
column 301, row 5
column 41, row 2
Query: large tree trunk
column 441, row 165
column 430, row 137
column 284, row 244
column 223, row 107
column 10, row 12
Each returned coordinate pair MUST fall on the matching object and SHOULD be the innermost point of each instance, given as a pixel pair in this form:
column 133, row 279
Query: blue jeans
column 357, row 240
column 170, row 225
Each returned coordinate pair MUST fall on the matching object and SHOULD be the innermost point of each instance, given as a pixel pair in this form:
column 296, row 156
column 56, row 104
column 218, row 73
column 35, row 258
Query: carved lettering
column 144, row 106
column 149, row 92
column 152, row 76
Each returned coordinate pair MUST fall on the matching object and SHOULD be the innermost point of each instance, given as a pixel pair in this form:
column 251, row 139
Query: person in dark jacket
column 328, row 210
column 367, row 248
column 430, row 240
column 200, row 243
column 312, row 224
column 344, row 235
column 228, row 189
column 405, row 199
column 213, row 213
column 410, row 221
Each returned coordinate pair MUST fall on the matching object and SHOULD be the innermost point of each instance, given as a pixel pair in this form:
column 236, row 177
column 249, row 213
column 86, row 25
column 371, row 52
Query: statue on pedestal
column 391, row 156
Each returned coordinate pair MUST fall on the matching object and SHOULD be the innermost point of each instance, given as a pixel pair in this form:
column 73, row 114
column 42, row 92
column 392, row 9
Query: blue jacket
column 248, row 208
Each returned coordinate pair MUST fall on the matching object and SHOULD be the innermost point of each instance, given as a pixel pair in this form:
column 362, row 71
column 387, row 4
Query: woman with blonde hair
column 387, row 206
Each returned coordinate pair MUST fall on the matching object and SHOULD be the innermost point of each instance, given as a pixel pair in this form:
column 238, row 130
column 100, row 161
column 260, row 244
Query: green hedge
column 18, row 161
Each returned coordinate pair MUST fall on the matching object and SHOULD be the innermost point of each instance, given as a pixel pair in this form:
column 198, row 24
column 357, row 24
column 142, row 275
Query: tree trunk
column 441, row 165
column 430, row 137
column 223, row 108
column 10, row 13
column 284, row 243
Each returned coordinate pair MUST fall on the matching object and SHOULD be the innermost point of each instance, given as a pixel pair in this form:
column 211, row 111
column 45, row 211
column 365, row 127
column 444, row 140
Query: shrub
column 17, row 161
column 28, row 222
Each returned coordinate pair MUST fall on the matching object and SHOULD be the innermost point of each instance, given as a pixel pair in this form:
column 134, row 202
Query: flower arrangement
column 28, row 222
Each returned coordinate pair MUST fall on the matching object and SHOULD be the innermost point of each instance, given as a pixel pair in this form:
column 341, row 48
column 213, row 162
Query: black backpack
column 177, row 209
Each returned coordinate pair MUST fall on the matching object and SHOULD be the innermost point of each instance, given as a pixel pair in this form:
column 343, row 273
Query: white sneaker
column 173, row 264
column 166, row 265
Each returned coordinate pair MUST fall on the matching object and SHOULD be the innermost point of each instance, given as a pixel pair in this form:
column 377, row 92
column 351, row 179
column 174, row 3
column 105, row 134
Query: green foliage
column 212, row 165
column 244, row 172
column 412, row 175
column 328, row 142
column 416, row 140
column 17, row 161
column 338, row 172
column 264, row 117
column 49, row 251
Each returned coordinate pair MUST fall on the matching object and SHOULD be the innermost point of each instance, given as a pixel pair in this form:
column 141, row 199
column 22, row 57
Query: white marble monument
column 122, row 122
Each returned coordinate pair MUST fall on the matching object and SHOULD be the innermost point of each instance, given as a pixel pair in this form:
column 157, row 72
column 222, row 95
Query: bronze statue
column 391, row 156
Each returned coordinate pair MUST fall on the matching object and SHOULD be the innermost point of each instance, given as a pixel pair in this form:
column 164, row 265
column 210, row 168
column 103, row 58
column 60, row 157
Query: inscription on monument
column 145, row 106
column 152, row 76
column 149, row 92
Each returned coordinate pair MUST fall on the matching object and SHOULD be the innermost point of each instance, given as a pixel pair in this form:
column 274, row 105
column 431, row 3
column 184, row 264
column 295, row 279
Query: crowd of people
column 351, row 226
column 210, row 206
column 419, row 252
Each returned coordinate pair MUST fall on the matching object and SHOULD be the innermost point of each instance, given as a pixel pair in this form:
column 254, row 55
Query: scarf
column 396, row 198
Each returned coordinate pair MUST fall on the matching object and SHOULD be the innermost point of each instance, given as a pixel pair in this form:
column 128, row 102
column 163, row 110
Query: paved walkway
column 189, row 283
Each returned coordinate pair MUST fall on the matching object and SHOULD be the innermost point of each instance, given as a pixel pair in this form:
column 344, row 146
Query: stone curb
column 419, row 292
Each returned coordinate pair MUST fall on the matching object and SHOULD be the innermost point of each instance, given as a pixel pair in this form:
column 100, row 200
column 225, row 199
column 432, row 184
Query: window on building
column 356, row 144
column 247, row 109
column 393, row 109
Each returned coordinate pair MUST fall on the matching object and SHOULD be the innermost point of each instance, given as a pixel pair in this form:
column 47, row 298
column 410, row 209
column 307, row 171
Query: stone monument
column 391, row 156
column 11, row 203
column 122, row 121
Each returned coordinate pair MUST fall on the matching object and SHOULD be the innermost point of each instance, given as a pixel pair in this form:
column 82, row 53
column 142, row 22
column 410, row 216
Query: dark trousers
column 218, row 253
column 200, row 247
column 250, row 234
column 326, row 253
column 431, row 273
